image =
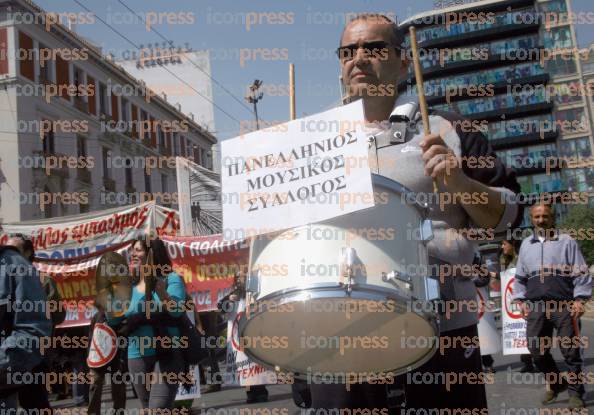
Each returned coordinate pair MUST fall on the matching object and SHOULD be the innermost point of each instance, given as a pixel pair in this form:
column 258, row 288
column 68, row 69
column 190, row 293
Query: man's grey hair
column 397, row 37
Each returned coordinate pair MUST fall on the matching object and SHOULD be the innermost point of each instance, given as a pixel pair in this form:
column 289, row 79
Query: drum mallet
column 420, row 88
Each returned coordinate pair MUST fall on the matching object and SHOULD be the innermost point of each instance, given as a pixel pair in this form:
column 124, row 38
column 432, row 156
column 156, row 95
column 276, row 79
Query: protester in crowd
column 80, row 386
column 22, row 330
column 508, row 260
column 206, row 324
column 35, row 395
column 482, row 281
column 255, row 393
column 148, row 351
column 372, row 60
column 551, row 287
column 115, row 369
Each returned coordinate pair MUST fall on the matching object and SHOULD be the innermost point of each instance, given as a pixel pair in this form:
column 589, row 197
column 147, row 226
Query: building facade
column 78, row 132
column 510, row 66
column 180, row 73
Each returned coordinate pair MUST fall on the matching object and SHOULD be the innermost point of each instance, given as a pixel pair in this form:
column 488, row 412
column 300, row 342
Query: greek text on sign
column 103, row 346
column 304, row 171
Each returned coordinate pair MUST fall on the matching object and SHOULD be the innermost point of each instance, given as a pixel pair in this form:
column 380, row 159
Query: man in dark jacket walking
column 19, row 350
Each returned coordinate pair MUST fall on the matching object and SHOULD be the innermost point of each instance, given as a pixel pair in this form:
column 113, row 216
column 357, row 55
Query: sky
column 268, row 34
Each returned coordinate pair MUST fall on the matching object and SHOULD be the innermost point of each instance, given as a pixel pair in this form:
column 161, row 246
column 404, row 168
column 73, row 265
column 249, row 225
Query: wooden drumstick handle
column 420, row 88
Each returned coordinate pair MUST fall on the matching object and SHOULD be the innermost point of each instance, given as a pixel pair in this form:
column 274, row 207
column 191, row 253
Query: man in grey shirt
column 373, row 63
column 551, row 286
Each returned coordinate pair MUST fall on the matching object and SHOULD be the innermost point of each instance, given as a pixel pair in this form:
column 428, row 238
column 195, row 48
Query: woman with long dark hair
column 151, row 358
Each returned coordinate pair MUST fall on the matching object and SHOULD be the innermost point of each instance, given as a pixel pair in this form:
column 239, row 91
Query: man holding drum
column 475, row 190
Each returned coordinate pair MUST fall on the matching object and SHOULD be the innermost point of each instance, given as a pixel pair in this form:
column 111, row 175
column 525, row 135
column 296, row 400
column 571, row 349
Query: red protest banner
column 208, row 265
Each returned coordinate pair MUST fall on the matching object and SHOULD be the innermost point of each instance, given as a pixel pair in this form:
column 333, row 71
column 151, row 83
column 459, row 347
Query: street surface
column 510, row 391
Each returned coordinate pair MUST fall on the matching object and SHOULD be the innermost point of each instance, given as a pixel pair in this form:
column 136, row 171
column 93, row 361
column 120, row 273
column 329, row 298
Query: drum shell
column 307, row 263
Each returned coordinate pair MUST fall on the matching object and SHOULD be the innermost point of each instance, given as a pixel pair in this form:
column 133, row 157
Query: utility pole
column 253, row 98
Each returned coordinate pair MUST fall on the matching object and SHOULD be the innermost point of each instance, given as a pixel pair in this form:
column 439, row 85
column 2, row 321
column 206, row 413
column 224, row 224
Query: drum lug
column 348, row 261
column 398, row 279
column 252, row 283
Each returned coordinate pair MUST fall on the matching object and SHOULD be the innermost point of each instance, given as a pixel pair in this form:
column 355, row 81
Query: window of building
column 49, row 142
column 588, row 66
column 144, row 126
column 128, row 174
column 560, row 66
column 567, row 93
column 126, row 116
column 556, row 7
column 469, row 26
column 161, row 138
column 434, row 58
column 106, row 155
column 528, row 157
column 81, row 146
column 203, row 157
column 438, row 87
column 551, row 182
column 175, row 144
column 579, row 180
column 45, row 68
column 79, row 81
column 576, row 148
column 147, row 182
column 497, row 102
column 164, row 184
column 83, row 208
column 571, row 121
column 521, row 126
column 103, row 100
column 49, row 209
column 557, row 38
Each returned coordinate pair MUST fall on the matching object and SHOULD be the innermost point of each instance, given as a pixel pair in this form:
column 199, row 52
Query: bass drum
column 349, row 294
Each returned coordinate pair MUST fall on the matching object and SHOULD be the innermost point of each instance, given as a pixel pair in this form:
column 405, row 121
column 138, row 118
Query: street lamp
column 253, row 98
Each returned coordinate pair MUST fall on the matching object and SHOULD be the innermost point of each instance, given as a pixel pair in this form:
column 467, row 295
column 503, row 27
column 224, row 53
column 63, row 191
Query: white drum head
column 321, row 337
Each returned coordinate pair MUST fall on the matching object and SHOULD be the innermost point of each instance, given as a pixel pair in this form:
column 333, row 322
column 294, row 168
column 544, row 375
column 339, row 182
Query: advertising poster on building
column 240, row 370
column 513, row 325
column 200, row 211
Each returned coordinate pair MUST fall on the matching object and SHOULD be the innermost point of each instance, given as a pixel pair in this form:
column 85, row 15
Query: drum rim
column 402, row 189
column 292, row 294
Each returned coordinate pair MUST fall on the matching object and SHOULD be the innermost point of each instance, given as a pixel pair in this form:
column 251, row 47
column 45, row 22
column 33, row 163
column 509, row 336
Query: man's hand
column 440, row 160
column 578, row 308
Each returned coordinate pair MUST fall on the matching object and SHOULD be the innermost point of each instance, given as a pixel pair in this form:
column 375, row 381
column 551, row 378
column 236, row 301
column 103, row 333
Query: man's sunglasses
column 378, row 49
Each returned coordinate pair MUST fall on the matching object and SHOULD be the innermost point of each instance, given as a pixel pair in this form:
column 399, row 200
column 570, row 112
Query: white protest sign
column 489, row 338
column 240, row 370
column 513, row 325
column 293, row 174
column 193, row 390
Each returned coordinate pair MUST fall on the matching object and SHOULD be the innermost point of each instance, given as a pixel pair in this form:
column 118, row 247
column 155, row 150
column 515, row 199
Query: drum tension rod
column 348, row 258
column 398, row 279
